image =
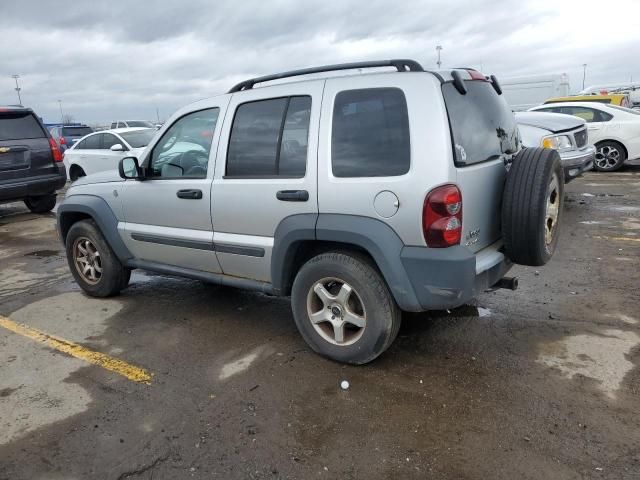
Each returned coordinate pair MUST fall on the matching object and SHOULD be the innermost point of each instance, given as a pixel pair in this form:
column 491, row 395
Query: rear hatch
column 73, row 134
column 485, row 136
column 24, row 146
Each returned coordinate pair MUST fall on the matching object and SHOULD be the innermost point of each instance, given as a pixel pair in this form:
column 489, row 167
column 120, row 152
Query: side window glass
column 602, row 116
column 254, row 140
column 295, row 137
column 183, row 150
column 81, row 145
column 114, row 125
column 93, row 142
column 370, row 133
column 584, row 113
column 109, row 141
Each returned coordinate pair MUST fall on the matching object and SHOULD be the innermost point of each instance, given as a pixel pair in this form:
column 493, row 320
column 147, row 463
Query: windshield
column 139, row 138
column 140, row 123
column 76, row 131
column 482, row 124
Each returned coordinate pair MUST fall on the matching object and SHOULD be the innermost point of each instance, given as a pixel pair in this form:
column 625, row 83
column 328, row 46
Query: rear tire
column 532, row 205
column 93, row 264
column 76, row 172
column 343, row 308
column 609, row 156
column 42, row 204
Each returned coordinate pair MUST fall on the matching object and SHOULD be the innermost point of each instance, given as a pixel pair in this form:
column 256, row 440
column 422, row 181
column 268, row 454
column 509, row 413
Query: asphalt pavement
column 175, row 378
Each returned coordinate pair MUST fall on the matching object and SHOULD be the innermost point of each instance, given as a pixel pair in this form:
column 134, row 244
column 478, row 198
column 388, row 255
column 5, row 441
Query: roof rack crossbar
column 400, row 65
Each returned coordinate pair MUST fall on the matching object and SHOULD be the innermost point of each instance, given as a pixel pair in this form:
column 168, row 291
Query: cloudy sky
column 124, row 59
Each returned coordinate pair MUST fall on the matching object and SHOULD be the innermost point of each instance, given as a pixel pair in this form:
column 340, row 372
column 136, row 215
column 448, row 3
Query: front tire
column 42, row 204
column 93, row 264
column 609, row 156
column 343, row 308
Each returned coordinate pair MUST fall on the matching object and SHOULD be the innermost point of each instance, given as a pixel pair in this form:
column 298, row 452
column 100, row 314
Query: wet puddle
column 601, row 357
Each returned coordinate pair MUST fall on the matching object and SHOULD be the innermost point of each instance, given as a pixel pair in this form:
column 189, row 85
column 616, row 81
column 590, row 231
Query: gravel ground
column 539, row 383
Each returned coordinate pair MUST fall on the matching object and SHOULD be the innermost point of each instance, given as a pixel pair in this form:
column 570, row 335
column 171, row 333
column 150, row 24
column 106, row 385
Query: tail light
column 55, row 151
column 442, row 217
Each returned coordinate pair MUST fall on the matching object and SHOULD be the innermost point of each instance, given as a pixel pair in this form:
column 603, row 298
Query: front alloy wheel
column 87, row 260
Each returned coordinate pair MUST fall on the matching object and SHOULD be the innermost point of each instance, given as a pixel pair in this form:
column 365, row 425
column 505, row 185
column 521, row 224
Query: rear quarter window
column 482, row 124
column 370, row 133
column 17, row 126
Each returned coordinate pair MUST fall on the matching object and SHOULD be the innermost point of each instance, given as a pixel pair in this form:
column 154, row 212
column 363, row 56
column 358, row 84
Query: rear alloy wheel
column 609, row 156
column 343, row 307
column 41, row 204
column 336, row 311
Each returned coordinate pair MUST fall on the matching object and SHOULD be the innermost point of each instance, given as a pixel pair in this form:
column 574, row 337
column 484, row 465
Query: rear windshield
column 76, row 131
column 140, row 138
column 139, row 123
column 17, row 126
column 482, row 124
column 625, row 109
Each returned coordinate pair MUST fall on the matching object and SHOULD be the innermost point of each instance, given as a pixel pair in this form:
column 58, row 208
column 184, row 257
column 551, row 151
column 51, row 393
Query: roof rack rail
column 400, row 65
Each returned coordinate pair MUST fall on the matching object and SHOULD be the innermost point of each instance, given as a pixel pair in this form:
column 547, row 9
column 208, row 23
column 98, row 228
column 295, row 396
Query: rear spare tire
column 532, row 205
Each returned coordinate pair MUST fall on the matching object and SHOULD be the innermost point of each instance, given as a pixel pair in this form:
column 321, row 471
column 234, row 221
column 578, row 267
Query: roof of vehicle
column 554, row 122
column 14, row 108
column 125, row 130
column 132, row 120
column 401, row 66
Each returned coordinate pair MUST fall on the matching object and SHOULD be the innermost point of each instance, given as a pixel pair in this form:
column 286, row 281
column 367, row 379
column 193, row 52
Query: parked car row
column 614, row 130
column 103, row 150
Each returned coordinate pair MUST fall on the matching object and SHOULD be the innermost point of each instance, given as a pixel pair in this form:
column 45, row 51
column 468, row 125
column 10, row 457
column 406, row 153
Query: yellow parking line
column 620, row 239
column 120, row 367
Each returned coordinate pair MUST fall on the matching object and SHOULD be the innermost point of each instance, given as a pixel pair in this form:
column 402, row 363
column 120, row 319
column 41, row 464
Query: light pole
column 17, row 89
column 584, row 74
column 61, row 114
column 439, row 49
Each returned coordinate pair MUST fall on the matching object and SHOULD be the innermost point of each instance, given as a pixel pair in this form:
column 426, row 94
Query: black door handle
column 293, row 195
column 190, row 194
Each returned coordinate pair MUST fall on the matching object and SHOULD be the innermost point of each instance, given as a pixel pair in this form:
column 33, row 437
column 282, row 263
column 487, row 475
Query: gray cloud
column 112, row 59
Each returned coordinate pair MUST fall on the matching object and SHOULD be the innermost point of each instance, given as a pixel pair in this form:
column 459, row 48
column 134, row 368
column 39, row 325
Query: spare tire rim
column 607, row 157
column 87, row 260
column 336, row 311
column 552, row 210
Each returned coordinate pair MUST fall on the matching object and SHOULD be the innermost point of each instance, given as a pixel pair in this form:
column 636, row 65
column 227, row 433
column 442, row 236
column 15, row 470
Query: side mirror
column 129, row 168
column 118, row 147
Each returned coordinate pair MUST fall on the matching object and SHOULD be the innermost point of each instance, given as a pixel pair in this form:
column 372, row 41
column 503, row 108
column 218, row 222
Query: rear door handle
column 190, row 194
column 293, row 195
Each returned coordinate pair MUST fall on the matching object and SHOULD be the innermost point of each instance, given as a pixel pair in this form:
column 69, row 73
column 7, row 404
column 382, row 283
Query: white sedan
column 614, row 130
column 103, row 150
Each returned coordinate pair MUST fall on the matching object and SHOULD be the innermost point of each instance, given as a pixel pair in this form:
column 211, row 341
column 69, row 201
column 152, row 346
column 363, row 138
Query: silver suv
column 359, row 195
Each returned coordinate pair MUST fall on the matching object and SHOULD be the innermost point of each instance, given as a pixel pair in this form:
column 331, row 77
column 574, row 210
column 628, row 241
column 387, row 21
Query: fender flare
column 100, row 212
column 372, row 235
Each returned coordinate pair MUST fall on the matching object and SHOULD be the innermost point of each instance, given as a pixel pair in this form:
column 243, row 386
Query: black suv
column 31, row 167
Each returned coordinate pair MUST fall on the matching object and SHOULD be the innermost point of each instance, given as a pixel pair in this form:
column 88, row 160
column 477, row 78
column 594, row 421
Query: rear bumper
column 18, row 189
column 574, row 163
column 445, row 278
